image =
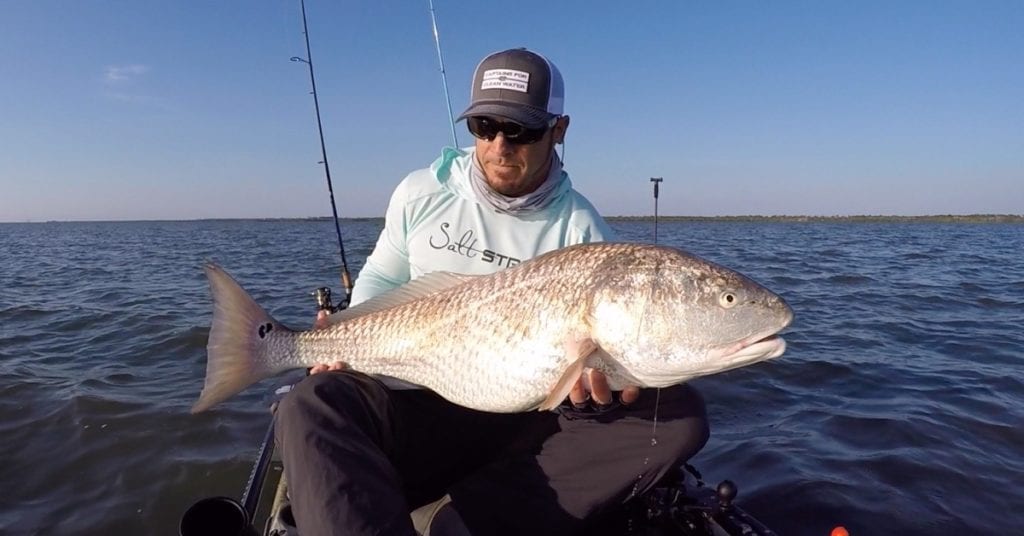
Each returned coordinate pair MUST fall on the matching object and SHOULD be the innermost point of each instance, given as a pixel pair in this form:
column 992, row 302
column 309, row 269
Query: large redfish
column 518, row 340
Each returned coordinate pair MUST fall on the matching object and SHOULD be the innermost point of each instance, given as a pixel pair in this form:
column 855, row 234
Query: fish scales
column 495, row 337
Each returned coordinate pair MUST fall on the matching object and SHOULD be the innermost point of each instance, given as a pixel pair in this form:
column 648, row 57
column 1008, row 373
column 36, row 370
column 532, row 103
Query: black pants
column 359, row 456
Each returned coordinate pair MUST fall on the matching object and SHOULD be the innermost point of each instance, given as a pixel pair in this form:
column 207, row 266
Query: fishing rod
column 444, row 78
column 224, row 516
column 346, row 279
column 656, row 181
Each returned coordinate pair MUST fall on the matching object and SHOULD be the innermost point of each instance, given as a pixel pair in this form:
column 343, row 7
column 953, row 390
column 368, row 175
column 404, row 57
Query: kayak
column 681, row 505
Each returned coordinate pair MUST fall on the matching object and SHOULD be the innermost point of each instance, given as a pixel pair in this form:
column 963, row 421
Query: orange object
column 840, row 531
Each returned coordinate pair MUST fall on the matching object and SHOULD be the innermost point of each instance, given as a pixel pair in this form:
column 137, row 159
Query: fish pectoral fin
column 579, row 350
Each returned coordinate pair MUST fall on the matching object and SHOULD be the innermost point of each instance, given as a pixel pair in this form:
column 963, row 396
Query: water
column 896, row 410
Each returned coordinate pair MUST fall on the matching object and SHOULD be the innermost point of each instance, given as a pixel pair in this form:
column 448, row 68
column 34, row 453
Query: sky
column 145, row 109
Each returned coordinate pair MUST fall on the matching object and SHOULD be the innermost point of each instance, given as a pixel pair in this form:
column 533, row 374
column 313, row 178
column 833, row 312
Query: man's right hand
column 320, row 323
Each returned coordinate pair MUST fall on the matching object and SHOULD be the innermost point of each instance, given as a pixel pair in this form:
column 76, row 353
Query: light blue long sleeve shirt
column 434, row 222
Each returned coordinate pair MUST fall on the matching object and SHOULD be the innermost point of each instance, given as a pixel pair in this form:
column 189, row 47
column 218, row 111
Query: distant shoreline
column 937, row 218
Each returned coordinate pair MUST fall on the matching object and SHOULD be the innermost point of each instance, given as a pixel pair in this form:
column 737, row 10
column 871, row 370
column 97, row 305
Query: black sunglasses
column 486, row 128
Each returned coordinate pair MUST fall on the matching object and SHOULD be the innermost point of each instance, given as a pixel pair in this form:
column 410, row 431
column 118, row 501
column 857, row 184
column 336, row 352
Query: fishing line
column 654, row 428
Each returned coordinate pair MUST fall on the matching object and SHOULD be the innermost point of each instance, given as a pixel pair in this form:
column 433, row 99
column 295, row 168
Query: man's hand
column 321, row 319
column 600, row 393
column 320, row 323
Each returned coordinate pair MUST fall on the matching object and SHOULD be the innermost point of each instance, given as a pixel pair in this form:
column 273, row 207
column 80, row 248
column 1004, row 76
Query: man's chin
column 509, row 186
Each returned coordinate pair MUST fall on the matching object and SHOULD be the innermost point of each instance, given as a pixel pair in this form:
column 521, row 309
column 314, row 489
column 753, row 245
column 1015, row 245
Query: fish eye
column 727, row 300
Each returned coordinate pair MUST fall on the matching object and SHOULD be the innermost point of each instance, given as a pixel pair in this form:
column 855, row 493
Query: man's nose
column 501, row 145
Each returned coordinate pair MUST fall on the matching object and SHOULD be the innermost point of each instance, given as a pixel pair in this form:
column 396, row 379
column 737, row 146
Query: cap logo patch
column 506, row 79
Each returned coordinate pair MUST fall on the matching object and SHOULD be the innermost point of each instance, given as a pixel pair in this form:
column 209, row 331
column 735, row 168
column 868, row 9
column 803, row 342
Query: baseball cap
column 518, row 85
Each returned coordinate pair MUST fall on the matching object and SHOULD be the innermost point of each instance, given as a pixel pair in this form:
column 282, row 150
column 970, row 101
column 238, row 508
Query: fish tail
column 238, row 329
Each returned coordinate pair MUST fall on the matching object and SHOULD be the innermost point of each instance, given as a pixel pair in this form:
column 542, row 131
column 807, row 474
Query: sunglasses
column 487, row 128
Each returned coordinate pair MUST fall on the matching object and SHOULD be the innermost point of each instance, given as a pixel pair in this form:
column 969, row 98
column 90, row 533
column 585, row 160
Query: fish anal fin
column 579, row 350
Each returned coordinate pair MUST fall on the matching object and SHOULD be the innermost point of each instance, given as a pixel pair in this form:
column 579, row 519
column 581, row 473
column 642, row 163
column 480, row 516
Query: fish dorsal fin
column 420, row 287
column 579, row 351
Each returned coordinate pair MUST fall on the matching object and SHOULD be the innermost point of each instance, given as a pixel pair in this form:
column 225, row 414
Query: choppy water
column 896, row 410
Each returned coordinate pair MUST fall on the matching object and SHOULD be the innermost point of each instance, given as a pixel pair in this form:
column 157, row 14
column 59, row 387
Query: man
column 360, row 453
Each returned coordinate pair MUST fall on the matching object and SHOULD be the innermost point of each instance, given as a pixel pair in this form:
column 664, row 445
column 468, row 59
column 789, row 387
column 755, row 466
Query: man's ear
column 558, row 131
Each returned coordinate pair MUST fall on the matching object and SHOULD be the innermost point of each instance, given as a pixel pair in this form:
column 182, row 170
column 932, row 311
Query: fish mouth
column 765, row 345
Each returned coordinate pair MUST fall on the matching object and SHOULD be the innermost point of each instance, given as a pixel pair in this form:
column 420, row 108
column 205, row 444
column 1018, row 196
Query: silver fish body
column 519, row 339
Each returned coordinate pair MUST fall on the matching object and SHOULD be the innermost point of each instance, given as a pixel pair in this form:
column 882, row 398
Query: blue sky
column 149, row 109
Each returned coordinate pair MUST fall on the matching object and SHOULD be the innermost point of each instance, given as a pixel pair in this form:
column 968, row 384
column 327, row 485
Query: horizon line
column 743, row 217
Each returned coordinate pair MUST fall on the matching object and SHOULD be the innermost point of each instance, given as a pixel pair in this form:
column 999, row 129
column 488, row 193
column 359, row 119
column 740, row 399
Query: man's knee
column 313, row 390
column 328, row 396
